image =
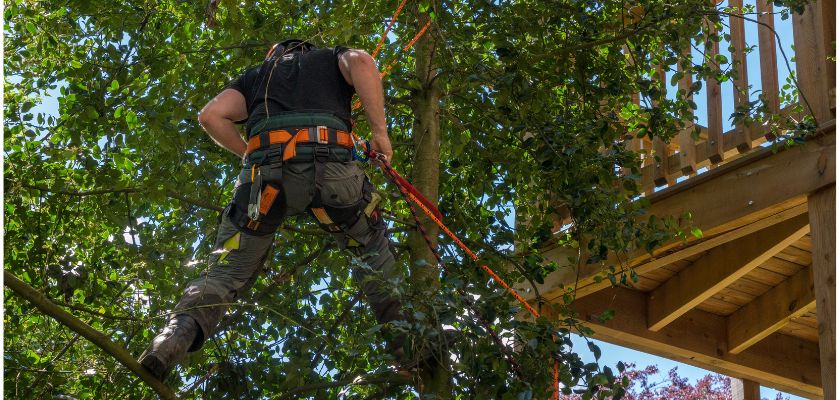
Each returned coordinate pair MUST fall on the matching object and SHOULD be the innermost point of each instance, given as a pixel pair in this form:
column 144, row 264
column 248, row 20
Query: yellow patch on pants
column 231, row 244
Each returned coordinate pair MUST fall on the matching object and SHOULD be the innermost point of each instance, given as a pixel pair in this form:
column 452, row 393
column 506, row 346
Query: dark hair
column 288, row 46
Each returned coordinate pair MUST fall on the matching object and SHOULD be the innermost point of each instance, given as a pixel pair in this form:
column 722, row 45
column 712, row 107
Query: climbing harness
column 289, row 138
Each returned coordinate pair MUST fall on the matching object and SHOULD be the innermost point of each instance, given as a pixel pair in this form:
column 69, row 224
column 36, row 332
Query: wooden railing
column 684, row 157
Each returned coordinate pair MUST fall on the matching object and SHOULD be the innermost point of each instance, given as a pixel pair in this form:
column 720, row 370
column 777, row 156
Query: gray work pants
column 239, row 257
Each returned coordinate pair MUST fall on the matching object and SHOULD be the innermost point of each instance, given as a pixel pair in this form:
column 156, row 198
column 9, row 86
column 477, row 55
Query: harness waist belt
column 317, row 134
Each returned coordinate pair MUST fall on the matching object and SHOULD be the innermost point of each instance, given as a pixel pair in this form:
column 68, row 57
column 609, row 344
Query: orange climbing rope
column 385, row 71
column 388, row 29
column 427, row 206
column 413, row 196
column 474, row 257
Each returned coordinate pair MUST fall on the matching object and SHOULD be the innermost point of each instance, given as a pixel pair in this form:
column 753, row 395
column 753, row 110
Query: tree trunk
column 426, row 178
column 426, row 139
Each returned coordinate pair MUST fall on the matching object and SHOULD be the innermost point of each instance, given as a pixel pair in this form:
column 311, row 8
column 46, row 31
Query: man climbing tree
column 298, row 159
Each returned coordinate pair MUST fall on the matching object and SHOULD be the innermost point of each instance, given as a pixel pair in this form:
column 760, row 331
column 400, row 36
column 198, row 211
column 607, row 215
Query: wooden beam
column 811, row 61
column 770, row 311
column 589, row 286
column 722, row 266
column 698, row 338
column 660, row 149
column 767, row 55
column 688, row 152
column 740, row 84
column 714, row 103
column 740, row 191
column 735, row 195
column 821, row 208
column 829, row 14
column 744, row 389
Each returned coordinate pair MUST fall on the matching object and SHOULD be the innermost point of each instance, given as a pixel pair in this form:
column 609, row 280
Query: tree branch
column 83, row 193
column 394, row 379
column 96, row 337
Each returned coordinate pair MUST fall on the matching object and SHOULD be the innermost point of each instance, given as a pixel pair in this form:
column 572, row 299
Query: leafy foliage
column 644, row 384
column 112, row 198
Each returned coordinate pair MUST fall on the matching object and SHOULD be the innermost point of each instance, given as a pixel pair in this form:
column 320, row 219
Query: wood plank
column 699, row 338
column 821, row 208
column 771, row 311
column 722, row 266
column 803, row 244
column 644, row 284
column 718, row 307
column 714, row 103
column 740, row 85
column 660, row 162
column 829, row 14
column 682, row 258
column 808, row 319
column 800, row 330
column 750, row 286
column 688, row 152
column 795, row 255
column 659, row 275
column 734, row 296
column 766, row 277
column 810, row 61
column 660, row 149
column 731, row 153
column 750, row 186
column 744, row 389
column 767, row 55
column 782, row 266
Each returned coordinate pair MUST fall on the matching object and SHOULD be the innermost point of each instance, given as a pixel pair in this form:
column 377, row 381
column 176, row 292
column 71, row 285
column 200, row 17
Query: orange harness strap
column 289, row 140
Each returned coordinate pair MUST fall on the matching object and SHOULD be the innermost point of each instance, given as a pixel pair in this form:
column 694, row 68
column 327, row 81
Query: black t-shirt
column 296, row 82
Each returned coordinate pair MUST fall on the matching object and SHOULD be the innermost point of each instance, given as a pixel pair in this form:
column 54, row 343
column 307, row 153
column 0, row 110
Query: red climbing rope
column 396, row 178
column 408, row 190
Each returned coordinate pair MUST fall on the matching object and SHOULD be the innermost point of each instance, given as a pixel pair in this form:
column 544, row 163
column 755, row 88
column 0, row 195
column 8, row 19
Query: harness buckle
column 321, row 153
column 323, row 135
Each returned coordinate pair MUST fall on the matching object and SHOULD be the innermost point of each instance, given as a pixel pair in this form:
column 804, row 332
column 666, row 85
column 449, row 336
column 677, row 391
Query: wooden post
column 829, row 10
column 714, row 103
column 821, row 214
column 808, row 39
column 743, row 389
column 688, row 151
column 660, row 149
column 740, row 86
column 767, row 55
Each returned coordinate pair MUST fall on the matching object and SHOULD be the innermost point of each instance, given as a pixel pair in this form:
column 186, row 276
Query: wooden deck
column 754, row 297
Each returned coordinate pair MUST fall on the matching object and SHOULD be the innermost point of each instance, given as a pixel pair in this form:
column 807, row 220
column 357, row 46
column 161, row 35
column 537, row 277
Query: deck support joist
column 719, row 268
column 722, row 202
column 699, row 338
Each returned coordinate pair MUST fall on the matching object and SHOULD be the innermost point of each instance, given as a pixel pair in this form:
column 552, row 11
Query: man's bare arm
column 219, row 116
column 359, row 70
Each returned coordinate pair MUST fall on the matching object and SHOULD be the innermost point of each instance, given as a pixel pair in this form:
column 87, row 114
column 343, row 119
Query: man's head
column 289, row 46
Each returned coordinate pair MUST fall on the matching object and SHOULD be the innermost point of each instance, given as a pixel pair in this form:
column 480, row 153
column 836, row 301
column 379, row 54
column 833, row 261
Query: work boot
column 170, row 346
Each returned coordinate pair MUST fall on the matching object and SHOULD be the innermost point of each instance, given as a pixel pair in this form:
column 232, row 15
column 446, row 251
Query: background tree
column 112, row 199
column 645, row 384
